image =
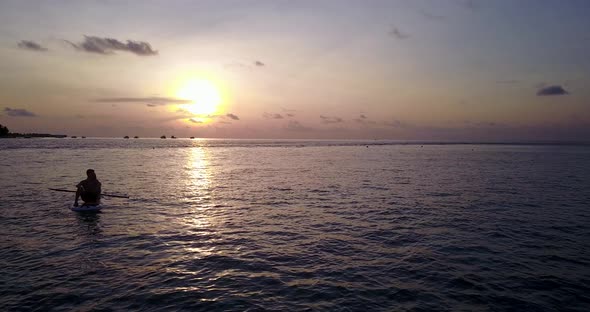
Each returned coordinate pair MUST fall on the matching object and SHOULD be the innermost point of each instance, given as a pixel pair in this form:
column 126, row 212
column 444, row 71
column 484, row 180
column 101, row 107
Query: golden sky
column 430, row 70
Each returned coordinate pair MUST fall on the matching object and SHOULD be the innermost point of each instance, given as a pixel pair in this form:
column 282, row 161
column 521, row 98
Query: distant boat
column 192, row 138
column 126, row 137
column 173, row 137
column 73, row 136
column 163, row 137
column 136, row 137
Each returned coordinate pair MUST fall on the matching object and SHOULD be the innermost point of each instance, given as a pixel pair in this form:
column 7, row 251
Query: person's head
column 90, row 174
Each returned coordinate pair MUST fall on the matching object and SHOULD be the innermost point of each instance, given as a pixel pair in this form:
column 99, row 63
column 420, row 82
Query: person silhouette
column 89, row 190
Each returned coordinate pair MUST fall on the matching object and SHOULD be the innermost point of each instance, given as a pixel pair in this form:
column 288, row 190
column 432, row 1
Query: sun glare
column 203, row 95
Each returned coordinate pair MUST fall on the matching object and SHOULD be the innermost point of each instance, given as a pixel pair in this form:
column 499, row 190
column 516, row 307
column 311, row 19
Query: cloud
column 195, row 121
column 232, row 116
column 364, row 120
column 288, row 110
column 395, row 124
column 395, row 32
column 272, row 116
column 106, row 46
column 277, row 115
column 18, row 112
column 149, row 101
column 330, row 120
column 258, row 63
column 552, row 90
column 235, row 66
column 296, row 126
column 178, row 114
column 31, row 45
column 468, row 4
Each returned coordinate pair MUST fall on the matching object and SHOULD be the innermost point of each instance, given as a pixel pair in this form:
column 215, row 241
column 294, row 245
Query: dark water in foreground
column 291, row 226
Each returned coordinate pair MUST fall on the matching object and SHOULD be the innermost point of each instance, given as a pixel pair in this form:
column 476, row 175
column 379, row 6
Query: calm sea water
column 234, row 225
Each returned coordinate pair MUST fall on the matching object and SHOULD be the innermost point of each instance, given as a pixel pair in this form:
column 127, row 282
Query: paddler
column 88, row 189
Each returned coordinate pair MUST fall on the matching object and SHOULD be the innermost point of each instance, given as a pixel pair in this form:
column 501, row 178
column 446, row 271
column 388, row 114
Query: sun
column 204, row 97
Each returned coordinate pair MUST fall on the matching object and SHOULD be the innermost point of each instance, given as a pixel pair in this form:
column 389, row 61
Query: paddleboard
column 87, row 208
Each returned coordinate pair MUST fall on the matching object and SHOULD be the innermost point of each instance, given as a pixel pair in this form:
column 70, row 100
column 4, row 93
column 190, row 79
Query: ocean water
column 237, row 225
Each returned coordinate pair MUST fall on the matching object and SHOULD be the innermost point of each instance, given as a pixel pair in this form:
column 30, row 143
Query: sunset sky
column 500, row 70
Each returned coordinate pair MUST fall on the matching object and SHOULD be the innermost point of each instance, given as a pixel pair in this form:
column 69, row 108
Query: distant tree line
column 4, row 130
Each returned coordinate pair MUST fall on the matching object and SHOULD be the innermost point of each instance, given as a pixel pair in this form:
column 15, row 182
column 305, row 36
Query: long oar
column 109, row 195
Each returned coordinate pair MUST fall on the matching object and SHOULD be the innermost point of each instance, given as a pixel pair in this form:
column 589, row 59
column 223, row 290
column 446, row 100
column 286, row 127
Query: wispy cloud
column 149, row 101
column 106, row 46
column 232, row 116
column 243, row 65
column 431, row 16
column 193, row 120
column 236, row 66
column 18, row 112
column 330, row 120
column 468, row 4
column 296, row 126
column 272, row 116
column 363, row 120
column 32, row 46
column 398, row 34
column 394, row 124
column 552, row 90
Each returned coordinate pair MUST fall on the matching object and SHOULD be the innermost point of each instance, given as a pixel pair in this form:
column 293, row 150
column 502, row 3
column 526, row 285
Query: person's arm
column 79, row 190
column 99, row 190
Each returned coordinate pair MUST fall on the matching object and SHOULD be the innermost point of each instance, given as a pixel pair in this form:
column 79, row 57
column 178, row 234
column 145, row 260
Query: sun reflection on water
column 198, row 219
column 198, row 181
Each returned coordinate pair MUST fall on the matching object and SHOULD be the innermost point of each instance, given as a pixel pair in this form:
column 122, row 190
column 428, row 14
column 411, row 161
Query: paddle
column 109, row 195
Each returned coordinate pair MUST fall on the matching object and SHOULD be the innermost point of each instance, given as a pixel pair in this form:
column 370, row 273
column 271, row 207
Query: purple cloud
column 31, row 45
column 18, row 112
column 107, row 46
column 149, row 101
column 272, row 116
column 395, row 32
column 552, row 90
column 330, row 120
column 296, row 126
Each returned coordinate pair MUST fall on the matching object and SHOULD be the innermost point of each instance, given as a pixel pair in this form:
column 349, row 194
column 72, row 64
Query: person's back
column 89, row 189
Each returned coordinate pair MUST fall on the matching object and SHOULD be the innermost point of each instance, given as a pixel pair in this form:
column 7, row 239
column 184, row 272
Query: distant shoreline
column 32, row 135
column 343, row 142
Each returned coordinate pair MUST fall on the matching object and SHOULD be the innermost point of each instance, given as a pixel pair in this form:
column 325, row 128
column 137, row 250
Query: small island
column 5, row 133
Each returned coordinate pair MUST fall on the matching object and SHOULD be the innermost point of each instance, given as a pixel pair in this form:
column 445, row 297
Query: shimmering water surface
column 237, row 225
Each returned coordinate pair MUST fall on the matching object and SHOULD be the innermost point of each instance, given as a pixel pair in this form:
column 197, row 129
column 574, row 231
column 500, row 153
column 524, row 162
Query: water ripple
column 225, row 226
